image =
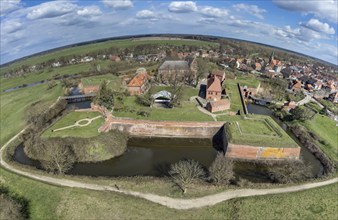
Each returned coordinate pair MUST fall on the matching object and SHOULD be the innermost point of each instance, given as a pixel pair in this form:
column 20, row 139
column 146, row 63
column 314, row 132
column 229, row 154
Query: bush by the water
column 289, row 172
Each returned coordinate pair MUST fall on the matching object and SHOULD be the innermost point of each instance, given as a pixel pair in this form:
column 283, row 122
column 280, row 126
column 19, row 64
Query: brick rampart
column 263, row 153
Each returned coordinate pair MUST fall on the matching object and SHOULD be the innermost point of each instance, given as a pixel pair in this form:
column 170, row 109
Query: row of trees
column 221, row 172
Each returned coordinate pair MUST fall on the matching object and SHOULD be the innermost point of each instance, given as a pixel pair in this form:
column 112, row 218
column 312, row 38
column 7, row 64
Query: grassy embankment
column 72, row 203
column 326, row 129
column 259, row 131
column 14, row 104
column 70, row 119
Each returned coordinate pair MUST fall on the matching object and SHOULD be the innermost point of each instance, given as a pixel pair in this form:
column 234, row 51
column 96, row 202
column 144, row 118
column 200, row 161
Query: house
column 333, row 97
column 214, row 89
column 220, row 74
column 115, row 58
column 216, row 106
column 296, row 86
column 289, row 105
column 139, row 84
column 174, row 69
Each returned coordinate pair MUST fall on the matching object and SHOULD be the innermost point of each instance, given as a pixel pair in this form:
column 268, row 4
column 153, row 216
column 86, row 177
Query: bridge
column 79, row 98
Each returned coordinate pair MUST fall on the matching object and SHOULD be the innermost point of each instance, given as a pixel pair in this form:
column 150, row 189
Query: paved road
column 164, row 200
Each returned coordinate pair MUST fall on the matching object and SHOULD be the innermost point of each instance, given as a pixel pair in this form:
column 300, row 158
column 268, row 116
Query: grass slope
column 53, row 202
column 327, row 130
column 13, row 105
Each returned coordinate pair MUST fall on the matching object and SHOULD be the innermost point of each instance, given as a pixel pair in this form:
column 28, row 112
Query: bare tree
column 221, row 170
column 185, row 172
column 58, row 157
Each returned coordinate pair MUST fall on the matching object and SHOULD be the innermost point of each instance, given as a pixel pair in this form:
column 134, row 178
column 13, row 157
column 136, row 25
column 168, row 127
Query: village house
column 333, row 97
column 115, row 58
column 296, row 86
column 220, row 74
column 139, row 83
column 174, row 69
column 289, row 105
column 216, row 106
column 214, row 89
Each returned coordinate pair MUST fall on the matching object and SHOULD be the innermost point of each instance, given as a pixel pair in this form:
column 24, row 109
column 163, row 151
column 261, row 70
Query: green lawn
column 53, row 202
column 232, row 91
column 14, row 104
column 90, row 130
column 327, row 130
column 114, row 82
column 259, row 131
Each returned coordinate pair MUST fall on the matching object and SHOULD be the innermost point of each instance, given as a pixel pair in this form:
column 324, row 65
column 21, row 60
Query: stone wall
column 256, row 152
column 165, row 128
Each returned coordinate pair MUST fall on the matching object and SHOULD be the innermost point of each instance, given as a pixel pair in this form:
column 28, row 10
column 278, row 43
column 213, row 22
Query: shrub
column 221, row 170
column 290, row 172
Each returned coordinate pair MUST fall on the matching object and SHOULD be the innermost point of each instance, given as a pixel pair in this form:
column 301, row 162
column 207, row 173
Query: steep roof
column 138, row 80
column 214, row 84
column 174, row 64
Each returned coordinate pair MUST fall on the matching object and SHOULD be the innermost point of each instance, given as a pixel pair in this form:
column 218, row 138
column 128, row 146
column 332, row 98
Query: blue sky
column 30, row 26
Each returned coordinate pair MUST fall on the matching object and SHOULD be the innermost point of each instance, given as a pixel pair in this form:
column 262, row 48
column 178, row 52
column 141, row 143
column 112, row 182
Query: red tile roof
column 214, row 84
column 138, row 80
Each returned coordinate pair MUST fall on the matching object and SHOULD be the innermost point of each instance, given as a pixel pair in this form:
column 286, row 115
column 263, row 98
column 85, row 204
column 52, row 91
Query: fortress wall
column 256, row 152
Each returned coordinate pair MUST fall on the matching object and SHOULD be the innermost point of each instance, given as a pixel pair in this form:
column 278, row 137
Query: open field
column 114, row 82
column 98, row 46
column 90, row 130
column 232, row 91
column 72, row 203
column 327, row 130
column 262, row 131
column 14, row 104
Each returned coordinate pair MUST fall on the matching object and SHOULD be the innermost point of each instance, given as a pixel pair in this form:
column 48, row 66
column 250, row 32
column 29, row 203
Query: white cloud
column 316, row 25
column 251, row 9
column 11, row 26
column 213, row 12
column 146, row 14
column 119, row 4
column 89, row 11
column 182, row 7
column 7, row 6
column 327, row 9
column 50, row 10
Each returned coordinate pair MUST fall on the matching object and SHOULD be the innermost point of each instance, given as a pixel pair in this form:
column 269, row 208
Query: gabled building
column 216, row 106
column 174, row 69
column 139, row 84
column 214, row 89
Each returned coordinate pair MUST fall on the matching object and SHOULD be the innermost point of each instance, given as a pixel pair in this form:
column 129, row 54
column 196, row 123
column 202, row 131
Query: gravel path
column 164, row 200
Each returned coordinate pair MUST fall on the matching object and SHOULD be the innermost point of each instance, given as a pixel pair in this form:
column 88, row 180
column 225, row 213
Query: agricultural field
column 259, row 131
column 327, row 130
column 90, row 130
column 114, row 82
column 84, row 49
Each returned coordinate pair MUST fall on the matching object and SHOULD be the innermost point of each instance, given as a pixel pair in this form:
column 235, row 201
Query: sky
column 305, row 26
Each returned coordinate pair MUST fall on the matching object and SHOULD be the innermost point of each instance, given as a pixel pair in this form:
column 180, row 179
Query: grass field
column 98, row 46
column 262, row 131
column 14, row 104
column 327, row 130
column 90, row 130
column 53, row 202
column 113, row 82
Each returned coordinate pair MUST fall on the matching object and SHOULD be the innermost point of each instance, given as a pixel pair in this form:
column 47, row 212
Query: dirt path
column 163, row 200
column 78, row 123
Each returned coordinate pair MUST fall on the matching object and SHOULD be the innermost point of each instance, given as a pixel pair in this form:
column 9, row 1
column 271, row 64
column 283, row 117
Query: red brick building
column 139, row 84
column 214, row 89
column 216, row 106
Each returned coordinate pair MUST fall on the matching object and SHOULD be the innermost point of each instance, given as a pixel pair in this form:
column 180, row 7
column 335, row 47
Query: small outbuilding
column 216, row 106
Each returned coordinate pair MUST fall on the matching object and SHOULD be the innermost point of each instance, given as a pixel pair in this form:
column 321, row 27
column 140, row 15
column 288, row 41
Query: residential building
column 140, row 83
